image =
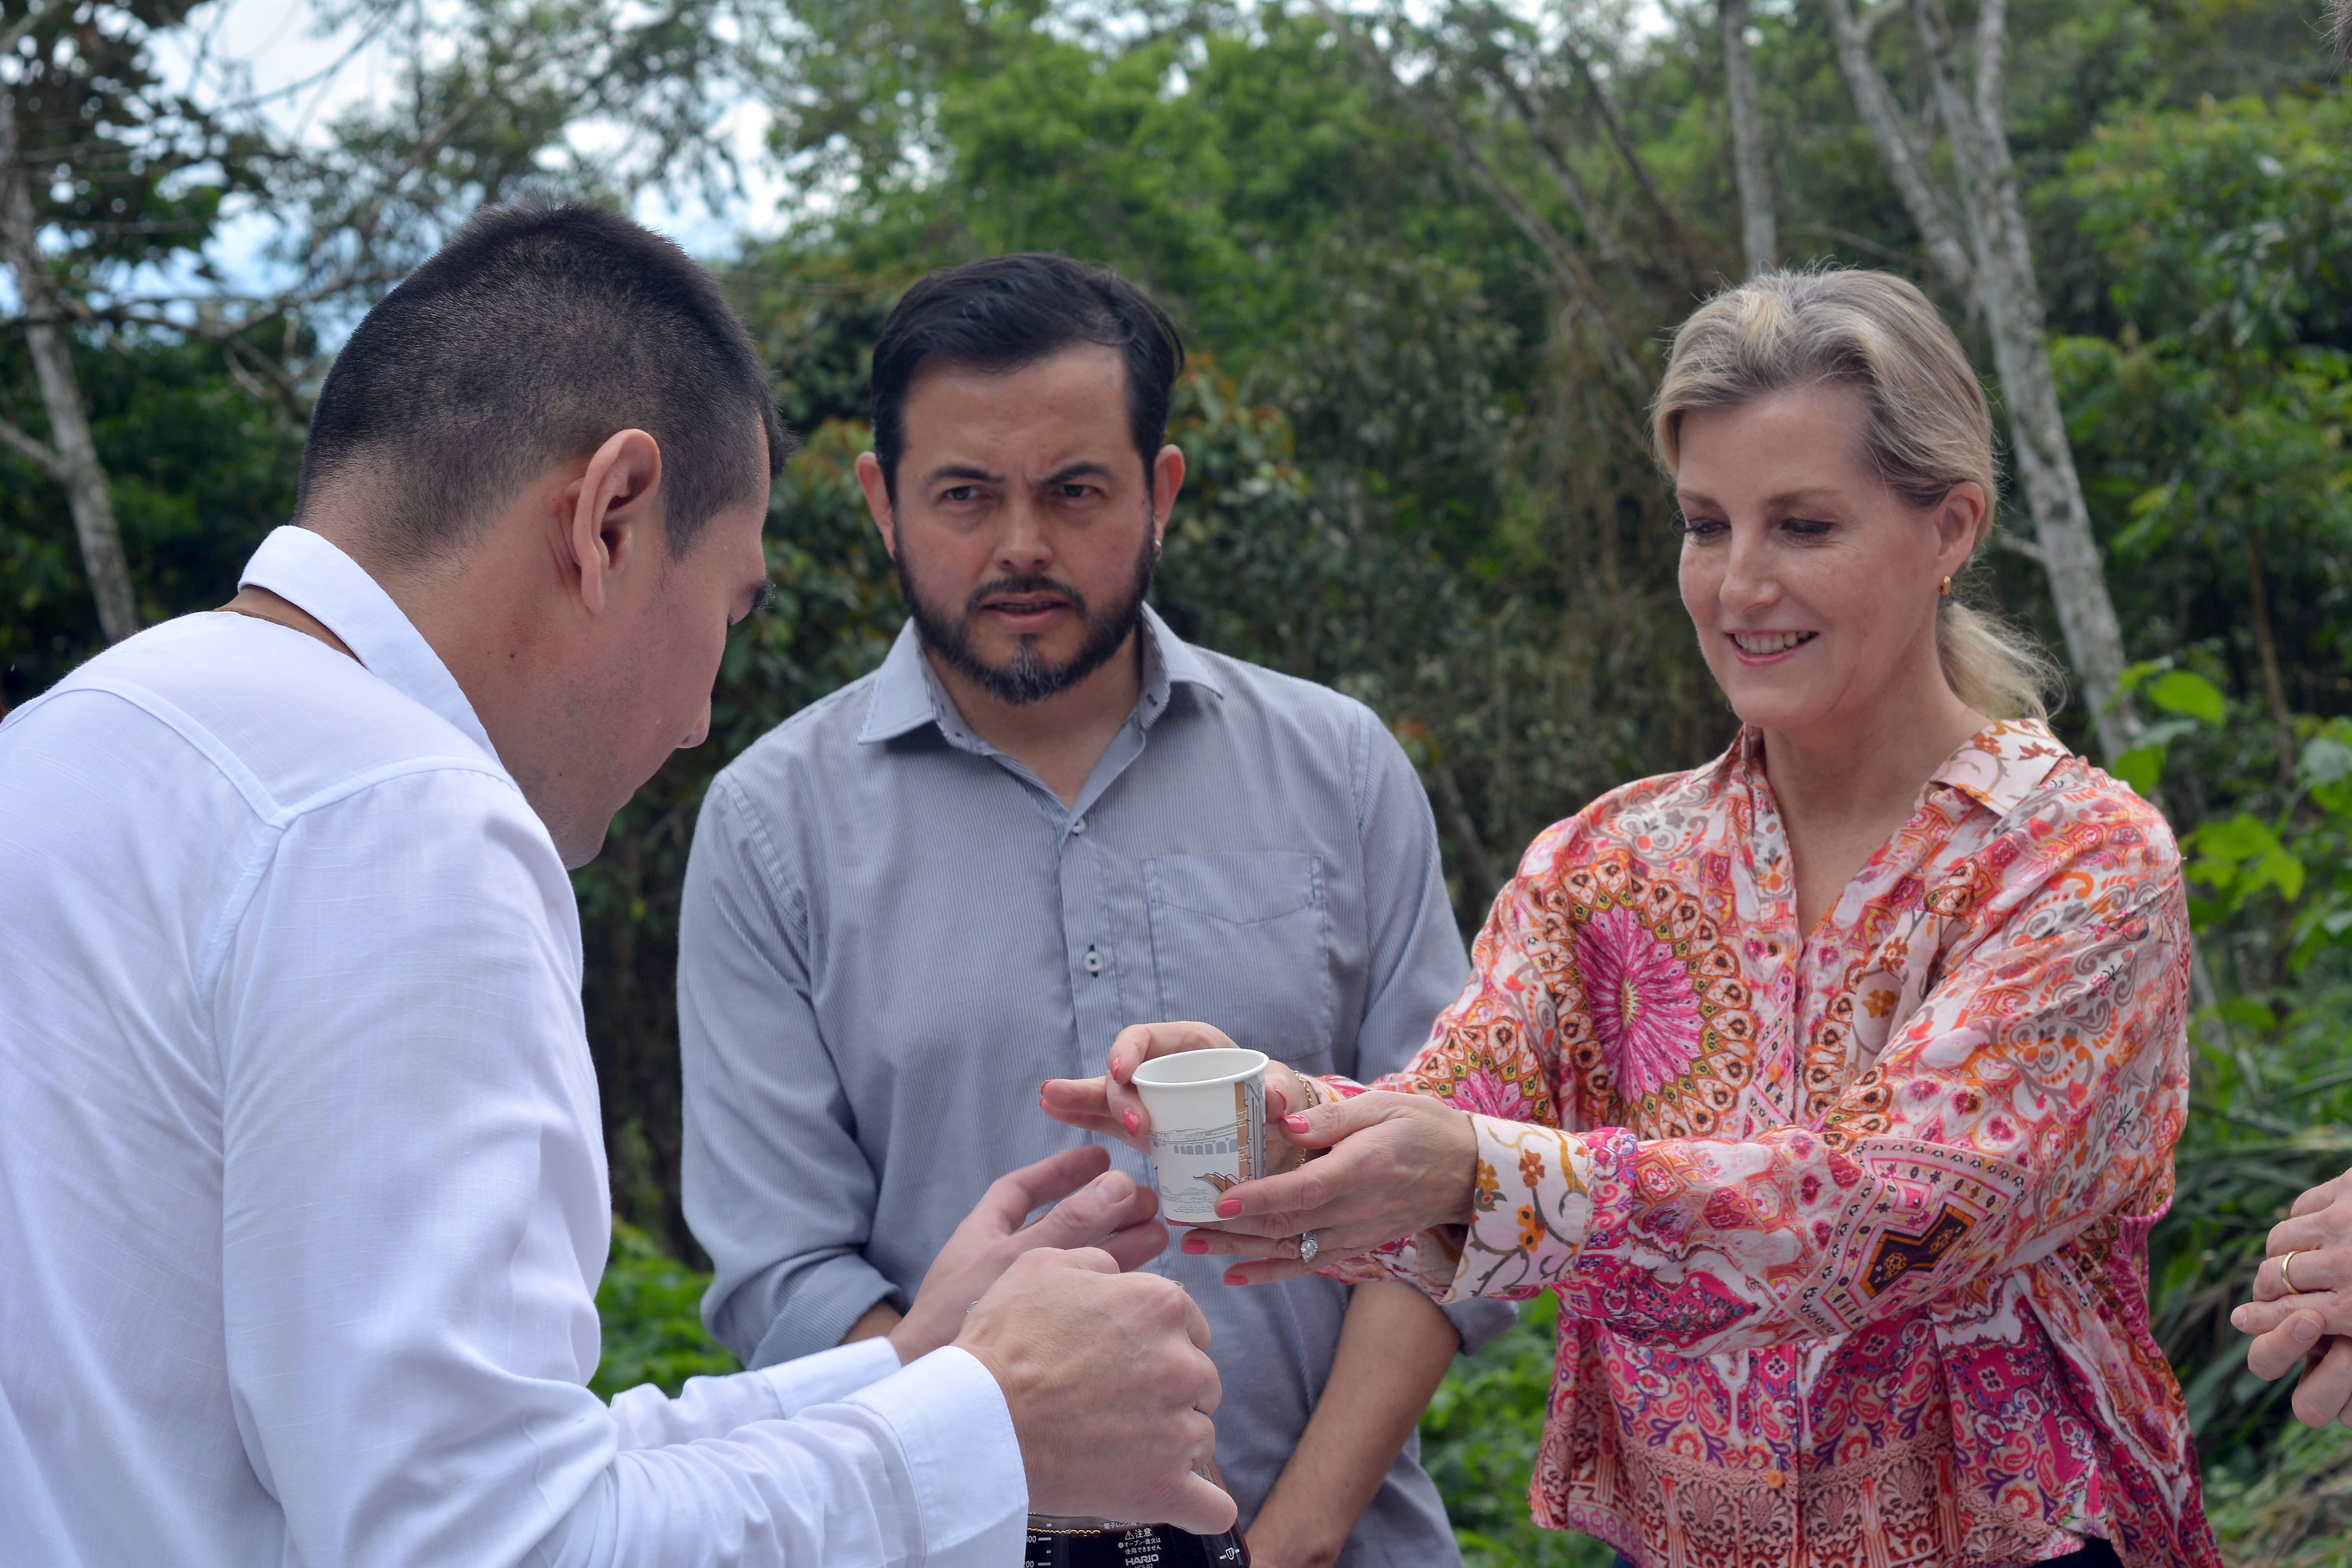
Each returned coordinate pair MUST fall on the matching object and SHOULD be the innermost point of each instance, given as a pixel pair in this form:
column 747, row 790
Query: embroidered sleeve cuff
column 1531, row 1210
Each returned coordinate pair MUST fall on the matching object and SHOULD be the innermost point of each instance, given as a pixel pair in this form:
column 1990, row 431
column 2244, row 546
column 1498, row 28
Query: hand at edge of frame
column 2309, row 1325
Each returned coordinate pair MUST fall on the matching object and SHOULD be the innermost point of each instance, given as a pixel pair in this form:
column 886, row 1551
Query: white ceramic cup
column 1208, row 1127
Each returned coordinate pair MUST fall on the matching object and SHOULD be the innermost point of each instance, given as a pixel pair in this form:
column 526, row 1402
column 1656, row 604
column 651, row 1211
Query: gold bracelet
column 1315, row 1097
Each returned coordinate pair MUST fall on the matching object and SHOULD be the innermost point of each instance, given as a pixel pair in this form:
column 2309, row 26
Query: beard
column 1028, row 676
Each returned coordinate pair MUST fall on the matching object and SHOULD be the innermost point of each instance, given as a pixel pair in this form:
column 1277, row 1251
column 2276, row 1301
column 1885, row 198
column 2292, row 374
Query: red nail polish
column 1236, row 1277
column 1229, row 1208
column 1296, row 1124
column 1196, row 1243
column 1130, row 1120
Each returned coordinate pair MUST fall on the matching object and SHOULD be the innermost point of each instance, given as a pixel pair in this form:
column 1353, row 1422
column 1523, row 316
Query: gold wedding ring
column 2284, row 1279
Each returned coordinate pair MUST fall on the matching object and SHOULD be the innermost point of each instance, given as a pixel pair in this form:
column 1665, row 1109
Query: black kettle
column 1058, row 1542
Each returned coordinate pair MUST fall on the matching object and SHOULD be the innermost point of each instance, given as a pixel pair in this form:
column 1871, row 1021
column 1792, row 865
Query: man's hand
column 2289, row 1326
column 1110, row 1386
column 1099, row 1207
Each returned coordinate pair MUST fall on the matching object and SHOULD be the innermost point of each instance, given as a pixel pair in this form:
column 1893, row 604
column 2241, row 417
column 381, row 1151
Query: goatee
column 1028, row 677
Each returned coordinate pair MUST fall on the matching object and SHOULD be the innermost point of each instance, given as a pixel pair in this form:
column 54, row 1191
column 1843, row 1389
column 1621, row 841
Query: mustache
column 1022, row 583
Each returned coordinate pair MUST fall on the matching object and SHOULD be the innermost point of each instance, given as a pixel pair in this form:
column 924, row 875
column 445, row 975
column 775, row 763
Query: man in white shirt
column 302, row 1202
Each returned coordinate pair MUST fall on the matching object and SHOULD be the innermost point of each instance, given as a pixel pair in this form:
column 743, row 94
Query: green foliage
column 2210, row 415
column 649, row 1305
column 2296, row 1514
column 204, row 466
column 1411, row 475
column 1478, row 1442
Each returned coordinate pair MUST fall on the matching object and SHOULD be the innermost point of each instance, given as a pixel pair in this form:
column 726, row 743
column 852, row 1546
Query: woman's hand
column 1110, row 1106
column 1398, row 1163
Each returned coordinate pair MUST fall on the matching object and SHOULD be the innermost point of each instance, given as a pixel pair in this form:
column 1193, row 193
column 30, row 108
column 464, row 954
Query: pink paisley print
column 1490, row 1094
column 1643, row 1006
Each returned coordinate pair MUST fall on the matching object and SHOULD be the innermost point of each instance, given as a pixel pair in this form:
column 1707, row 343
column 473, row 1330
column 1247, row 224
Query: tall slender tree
column 1994, row 273
column 96, row 151
column 1759, row 242
column 108, row 168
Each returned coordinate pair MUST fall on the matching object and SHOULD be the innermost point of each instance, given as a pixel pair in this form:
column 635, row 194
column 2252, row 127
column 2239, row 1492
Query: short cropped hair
column 530, row 339
column 1007, row 311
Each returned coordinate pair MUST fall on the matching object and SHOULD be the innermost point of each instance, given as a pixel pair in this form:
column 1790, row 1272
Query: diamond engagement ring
column 1307, row 1247
column 2285, row 1279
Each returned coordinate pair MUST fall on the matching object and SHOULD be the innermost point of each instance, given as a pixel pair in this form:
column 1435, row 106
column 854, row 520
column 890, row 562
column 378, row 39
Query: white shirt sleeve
column 714, row 1406
column 414, row 1200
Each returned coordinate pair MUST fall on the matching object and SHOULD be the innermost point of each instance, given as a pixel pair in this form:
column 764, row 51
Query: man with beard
column 1043, row 819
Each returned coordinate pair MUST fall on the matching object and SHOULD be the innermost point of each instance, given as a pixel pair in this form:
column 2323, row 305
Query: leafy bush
column 650, row 1308
column 1478, row 1441
column 2297, row 1513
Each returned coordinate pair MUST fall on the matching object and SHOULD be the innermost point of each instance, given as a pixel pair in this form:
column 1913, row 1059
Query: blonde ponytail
column 1991, row 664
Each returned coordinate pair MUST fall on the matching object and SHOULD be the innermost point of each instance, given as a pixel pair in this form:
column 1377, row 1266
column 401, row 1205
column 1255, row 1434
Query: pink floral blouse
column 1848, row 1228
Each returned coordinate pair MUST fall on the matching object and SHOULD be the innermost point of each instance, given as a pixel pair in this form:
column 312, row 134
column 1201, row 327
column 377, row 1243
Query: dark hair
column 1011, row 311
column 529, row 339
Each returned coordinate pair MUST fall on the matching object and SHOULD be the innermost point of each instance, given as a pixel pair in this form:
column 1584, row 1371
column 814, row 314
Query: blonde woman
column 1834, row 1085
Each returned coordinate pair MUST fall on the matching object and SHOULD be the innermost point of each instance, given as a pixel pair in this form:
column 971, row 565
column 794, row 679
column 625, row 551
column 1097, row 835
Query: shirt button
column 1094, row 961
column 1079, row 825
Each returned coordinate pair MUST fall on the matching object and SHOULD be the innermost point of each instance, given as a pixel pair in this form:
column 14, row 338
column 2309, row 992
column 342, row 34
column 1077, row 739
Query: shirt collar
column 1997, row 767
column 309, row 573
column 2002, row 763
column 908, row 694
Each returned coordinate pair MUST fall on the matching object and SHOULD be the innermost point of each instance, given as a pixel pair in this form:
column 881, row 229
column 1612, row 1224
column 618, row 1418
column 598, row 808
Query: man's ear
column 877, row 501
column 1167, row 479
column 613, row 522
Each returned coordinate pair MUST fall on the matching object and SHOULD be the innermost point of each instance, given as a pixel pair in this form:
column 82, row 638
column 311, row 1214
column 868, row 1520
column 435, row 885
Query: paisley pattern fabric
column 1848, row 1227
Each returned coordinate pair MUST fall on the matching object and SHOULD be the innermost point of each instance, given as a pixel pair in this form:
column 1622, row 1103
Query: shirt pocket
column 1241, row 940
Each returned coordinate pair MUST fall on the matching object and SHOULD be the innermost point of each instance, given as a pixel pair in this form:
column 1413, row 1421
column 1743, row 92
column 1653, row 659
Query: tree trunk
column 70, row 456
column 1995, row 274
column 1884, row 121
column 1759, row 242
column 1597, row 226
column 2011, row 300
column 85, row 482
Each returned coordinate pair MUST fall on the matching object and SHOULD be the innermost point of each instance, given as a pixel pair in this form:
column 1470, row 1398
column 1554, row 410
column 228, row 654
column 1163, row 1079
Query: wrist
column 1276, row 1541
column 1465, row 1130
